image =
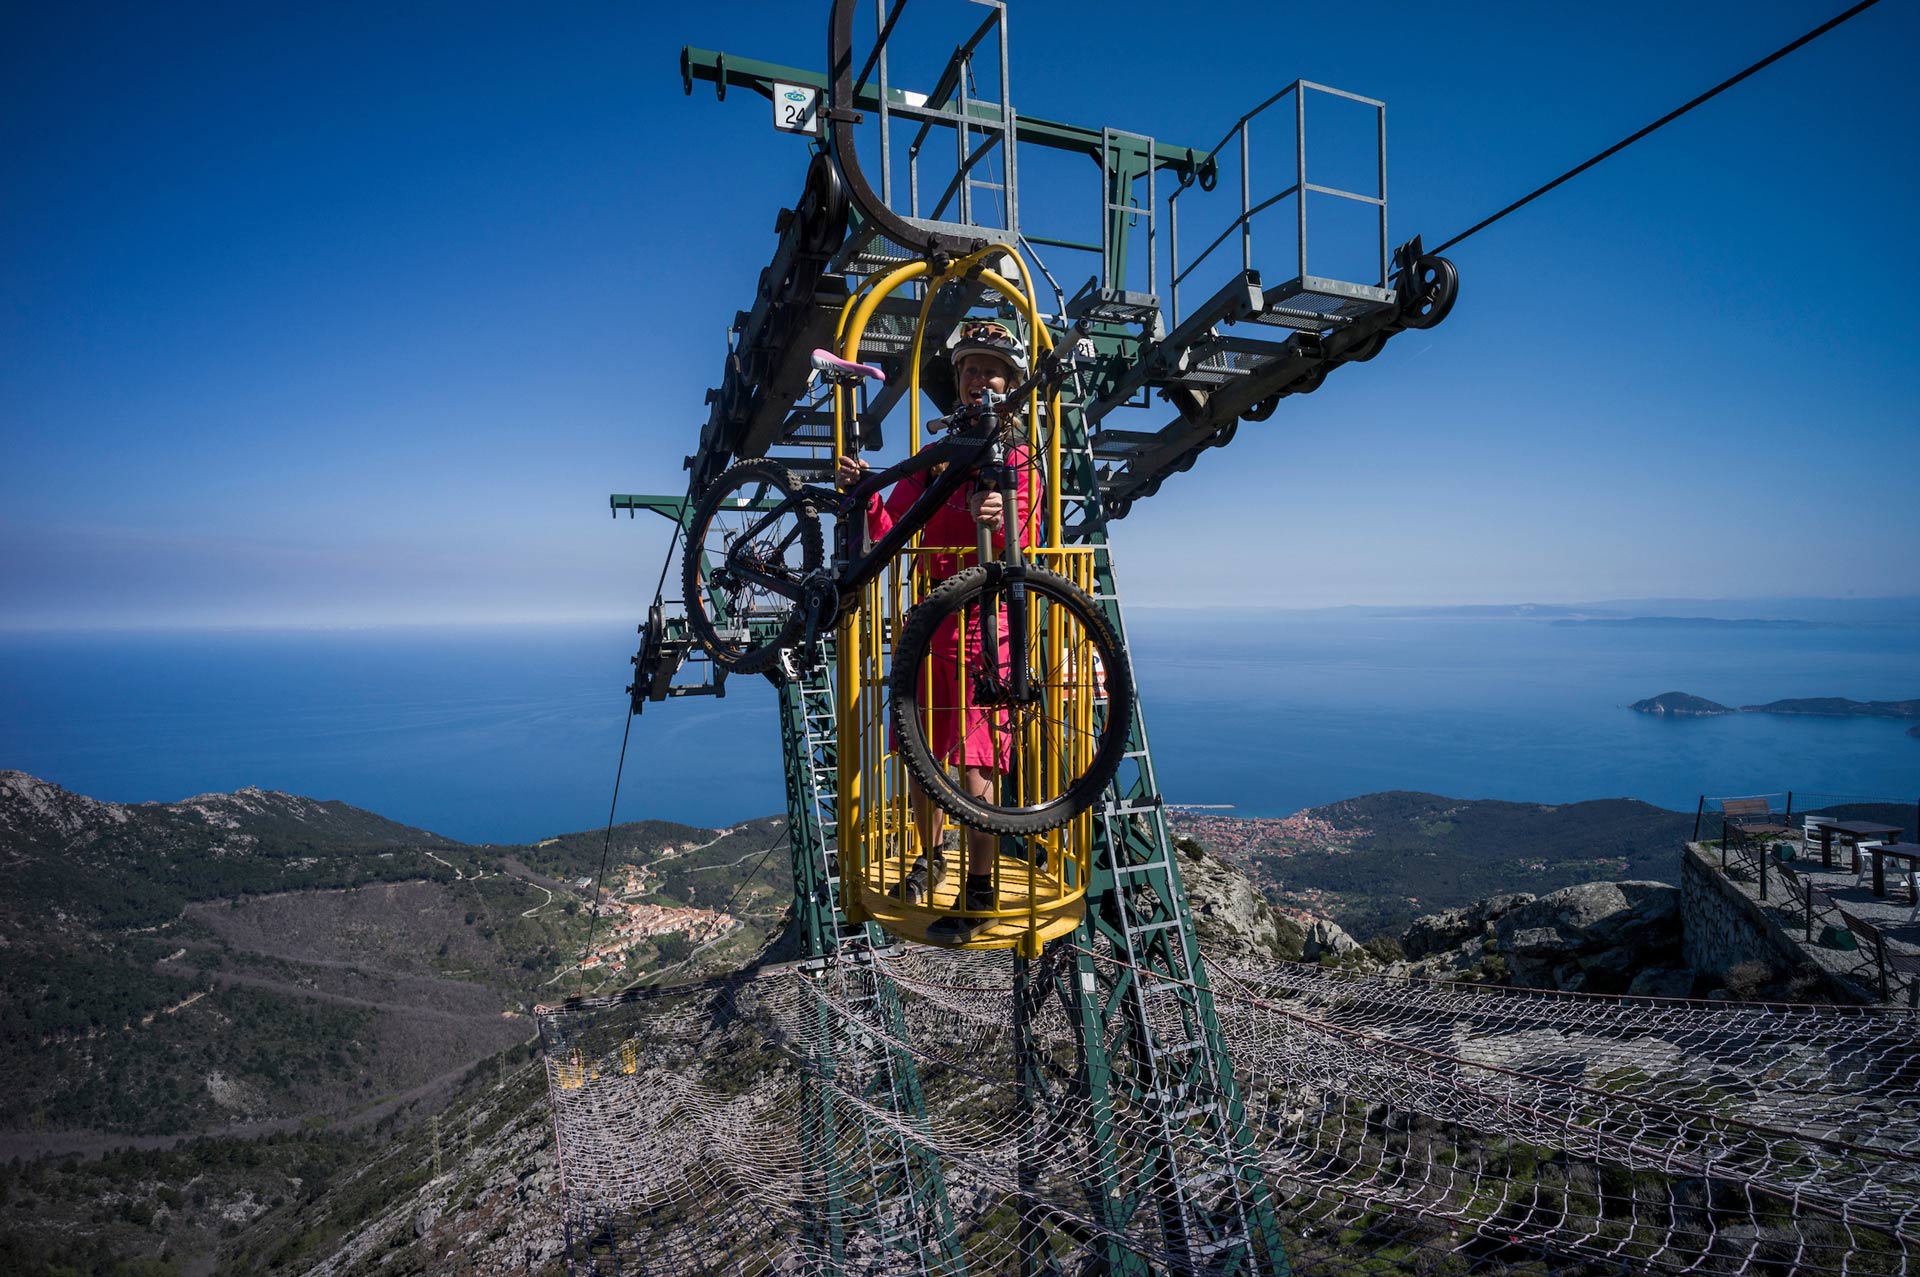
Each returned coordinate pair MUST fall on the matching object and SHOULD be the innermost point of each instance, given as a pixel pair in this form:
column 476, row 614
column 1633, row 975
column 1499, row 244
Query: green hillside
column 258, row 991
column 1375, row 863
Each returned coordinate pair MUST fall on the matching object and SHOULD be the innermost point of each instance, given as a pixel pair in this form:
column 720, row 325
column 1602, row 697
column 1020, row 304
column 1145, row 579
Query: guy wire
column 600, row 880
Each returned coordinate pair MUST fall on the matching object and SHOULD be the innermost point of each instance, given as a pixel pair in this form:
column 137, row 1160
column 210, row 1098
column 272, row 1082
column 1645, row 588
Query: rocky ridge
column 1597, row 937
column 1229, row 911
column 497, row 1210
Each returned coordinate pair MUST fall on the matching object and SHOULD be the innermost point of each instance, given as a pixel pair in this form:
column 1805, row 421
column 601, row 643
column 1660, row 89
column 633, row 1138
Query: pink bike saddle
column 833, row 366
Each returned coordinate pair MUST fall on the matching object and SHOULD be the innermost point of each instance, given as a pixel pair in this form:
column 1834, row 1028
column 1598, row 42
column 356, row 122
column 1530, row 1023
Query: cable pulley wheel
column 823, row 207
column 1263, row 409
column 1430, row 289
column 1365, row 350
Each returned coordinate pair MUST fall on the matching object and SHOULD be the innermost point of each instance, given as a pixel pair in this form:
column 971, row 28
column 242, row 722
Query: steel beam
column 724, row 71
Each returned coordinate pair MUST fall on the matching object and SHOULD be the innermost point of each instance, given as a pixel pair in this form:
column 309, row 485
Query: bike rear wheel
column 742, row 623
column 1056, row 749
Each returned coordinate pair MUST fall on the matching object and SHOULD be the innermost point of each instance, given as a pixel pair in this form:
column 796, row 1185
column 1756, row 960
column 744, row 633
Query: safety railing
column 1752, row 829
column 1040, row 888
column 1238, row 143
column 982, row 128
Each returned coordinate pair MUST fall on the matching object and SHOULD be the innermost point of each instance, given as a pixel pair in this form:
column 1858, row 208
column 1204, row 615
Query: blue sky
column 355, row 314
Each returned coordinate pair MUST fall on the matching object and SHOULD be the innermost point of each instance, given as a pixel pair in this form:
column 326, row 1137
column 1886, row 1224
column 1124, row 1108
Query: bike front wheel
column 1052, row 746
column 739, row 528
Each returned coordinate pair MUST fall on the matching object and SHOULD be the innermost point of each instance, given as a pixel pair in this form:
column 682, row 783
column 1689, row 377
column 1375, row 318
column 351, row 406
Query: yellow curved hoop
column 863, row 829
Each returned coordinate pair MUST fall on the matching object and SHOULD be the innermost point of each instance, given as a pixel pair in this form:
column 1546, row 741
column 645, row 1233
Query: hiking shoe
column 1012, row 850
column 954, row 929
column 926, row 873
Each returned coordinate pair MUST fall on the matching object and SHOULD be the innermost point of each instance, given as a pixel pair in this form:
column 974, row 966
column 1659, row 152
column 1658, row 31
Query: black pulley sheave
column 1427, row 285
column 822, row 209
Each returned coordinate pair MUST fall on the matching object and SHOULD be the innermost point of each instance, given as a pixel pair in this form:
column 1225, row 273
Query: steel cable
column 1668, row 118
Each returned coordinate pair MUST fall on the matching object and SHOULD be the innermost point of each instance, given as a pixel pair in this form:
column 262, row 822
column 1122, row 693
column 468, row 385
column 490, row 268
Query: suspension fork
column 1012, row 687
column 1018, row 677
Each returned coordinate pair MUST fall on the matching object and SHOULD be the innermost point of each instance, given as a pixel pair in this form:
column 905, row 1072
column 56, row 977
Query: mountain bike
column 1004, row 647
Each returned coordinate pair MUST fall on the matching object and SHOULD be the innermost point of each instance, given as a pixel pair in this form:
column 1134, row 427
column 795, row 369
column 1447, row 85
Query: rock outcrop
column 1230, row 914
column 1597, row 937
column 1450, row 928
column 1325, row 939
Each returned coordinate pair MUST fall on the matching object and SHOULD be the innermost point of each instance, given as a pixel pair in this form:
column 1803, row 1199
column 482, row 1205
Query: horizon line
column 577, row 619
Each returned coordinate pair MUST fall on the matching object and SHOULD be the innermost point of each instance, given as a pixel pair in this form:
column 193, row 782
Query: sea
column 515, row 733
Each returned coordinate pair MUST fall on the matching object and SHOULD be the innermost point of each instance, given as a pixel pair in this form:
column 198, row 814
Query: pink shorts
column 980, row 737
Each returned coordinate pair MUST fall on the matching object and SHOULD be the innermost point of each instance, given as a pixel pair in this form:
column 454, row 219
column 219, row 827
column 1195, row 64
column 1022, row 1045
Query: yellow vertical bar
column 896, row 797
column 877, row 763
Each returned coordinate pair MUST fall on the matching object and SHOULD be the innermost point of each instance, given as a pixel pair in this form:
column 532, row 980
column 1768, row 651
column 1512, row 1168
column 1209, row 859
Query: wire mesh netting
column 870, row 1117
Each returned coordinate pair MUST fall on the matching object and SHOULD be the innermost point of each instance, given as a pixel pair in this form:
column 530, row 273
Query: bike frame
column 962, row 452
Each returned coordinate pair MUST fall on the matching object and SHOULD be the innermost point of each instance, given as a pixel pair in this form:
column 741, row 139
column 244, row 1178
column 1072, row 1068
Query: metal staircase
column 1172, row 1114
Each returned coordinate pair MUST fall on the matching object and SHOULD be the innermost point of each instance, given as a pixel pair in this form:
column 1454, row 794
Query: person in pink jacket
column 986, row 356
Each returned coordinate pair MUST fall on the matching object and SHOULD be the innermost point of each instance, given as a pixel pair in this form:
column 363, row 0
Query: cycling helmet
column 987, row 336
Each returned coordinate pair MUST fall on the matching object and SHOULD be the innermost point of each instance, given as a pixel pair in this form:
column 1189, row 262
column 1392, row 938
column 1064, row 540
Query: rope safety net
column 1402, row 1126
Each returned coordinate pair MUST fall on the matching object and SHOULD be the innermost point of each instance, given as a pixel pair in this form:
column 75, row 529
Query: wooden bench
column 1885, row 959
column 1751, row 816
column 1746, row 820
column 1807, row 898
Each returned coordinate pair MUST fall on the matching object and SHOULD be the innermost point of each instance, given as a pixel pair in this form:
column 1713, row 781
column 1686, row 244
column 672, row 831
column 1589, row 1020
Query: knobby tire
column 964, row 593
column 752, row 656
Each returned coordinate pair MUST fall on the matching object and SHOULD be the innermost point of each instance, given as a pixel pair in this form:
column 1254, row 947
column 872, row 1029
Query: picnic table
column 1854, row 832
column 1907, row 851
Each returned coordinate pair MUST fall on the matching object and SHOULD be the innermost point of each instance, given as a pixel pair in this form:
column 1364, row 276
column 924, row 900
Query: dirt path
column 337, row 999
column 543, row 904
column 458, row 875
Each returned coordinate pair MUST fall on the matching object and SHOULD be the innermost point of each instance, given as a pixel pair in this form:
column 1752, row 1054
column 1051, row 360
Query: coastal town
column 1240, row 838
column 633, row 922
column 1259, row 844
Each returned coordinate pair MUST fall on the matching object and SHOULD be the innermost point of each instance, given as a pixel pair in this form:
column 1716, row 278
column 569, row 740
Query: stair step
column 1212, row 1175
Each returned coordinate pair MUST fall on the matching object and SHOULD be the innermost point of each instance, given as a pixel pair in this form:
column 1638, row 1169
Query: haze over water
column 511, row 734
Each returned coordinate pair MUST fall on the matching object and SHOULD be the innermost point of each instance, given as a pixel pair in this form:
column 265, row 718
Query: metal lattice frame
column 1114, row 1047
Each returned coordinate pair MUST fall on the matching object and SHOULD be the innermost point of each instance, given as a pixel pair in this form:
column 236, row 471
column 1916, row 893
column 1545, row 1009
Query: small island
column 1685, row 705
column 1680, row 704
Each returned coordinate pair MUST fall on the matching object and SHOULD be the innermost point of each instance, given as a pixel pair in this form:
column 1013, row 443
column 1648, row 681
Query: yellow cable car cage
column 1040, row 881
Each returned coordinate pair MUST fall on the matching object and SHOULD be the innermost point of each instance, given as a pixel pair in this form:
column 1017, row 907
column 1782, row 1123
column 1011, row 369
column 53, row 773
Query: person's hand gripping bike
column 755, row 587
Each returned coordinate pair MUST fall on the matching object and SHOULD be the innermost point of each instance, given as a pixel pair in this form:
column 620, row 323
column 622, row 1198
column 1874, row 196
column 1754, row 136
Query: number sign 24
column 796, row 108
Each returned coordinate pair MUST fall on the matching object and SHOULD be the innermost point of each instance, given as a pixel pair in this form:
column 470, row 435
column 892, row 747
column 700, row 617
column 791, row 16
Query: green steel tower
column 1150, row 1086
